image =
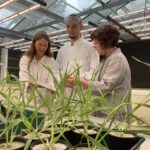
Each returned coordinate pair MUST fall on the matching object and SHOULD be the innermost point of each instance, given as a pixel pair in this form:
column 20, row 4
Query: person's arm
column 72, row 81
column 94, row 62
column 55, row 70
column 59, row 58
column 85, row 83
column 23, row 69
column 114, row 72
column 24, row 73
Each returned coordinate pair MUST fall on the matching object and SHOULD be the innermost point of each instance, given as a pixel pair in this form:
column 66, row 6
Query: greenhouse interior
column 74, row 74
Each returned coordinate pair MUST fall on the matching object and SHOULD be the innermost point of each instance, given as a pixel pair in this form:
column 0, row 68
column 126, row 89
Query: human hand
column 71, row 81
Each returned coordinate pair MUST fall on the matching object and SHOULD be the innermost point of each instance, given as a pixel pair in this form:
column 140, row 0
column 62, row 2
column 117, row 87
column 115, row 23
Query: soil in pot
column 85, row 146
column 17, row 144
column 73, row 123
column 59, row 145
column 41, row 135
column 123, row 135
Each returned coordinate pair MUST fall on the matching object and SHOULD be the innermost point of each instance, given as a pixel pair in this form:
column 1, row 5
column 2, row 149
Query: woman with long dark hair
column 33, row 64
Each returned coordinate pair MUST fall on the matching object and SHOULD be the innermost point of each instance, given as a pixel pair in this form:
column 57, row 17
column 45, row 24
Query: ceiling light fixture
column 54, row 32
column 23, row 50
column 52, row 37
column 16, row 45
column 11, row 42
column 20, row 13
column 131, row 13
column 143, row 34
column 138, row 25
column 6, row 3
column 146, row 37
column 25, row 47
column 141, row 30
column 91, row 29
column 58, row 36
column 135, row 19
column 61, row 40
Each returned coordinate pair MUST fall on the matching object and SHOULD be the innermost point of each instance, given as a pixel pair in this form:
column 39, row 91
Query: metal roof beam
column 18, row 23
column 95, row 25
column 43, row 11
column 103, row 4
column 13, row 34
column 118, row 24
column 41, row 26
column 134, row 16
column 122, row 27
column 108, row 6
column 61, row 19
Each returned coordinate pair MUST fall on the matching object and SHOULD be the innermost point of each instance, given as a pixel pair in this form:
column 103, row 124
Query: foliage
column 59, row 108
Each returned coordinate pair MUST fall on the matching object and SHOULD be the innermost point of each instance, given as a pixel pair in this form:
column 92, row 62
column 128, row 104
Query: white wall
column 138, row 96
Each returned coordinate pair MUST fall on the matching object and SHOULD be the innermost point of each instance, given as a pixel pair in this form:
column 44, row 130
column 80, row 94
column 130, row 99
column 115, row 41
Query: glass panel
column 3, row 14
column 2, row 1
column 68, row 11
column 81, row 5
column 12, row 25
column 60, row 26
column 132, row 6
column 120, row 11
column 97, row 5
column 136, row 5
column 62, row 8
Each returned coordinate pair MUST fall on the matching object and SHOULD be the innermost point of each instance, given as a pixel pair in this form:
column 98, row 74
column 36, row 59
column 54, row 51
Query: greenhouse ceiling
column 20, row 19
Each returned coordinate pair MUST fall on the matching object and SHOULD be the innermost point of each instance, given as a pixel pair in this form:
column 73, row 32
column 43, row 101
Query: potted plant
column 64, row 113
column 8, row 130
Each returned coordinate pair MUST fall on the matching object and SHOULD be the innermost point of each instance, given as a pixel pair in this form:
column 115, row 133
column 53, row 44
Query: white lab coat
column 114, row 74
column 81, row 53
column 38, row 72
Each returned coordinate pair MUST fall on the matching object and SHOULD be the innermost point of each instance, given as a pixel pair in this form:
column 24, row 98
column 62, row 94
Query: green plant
column 11, row 118
column 59, row 108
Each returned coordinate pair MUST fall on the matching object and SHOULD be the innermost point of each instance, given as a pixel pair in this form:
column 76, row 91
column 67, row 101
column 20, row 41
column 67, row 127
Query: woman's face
column 98, row 47
column 41, row 46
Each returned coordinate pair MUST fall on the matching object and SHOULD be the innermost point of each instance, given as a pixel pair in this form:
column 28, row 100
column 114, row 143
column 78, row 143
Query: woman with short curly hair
column 114, row 75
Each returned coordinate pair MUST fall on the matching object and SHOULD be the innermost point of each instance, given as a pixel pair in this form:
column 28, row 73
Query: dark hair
column 74, row 16
column 107, row 35
column 31, row 52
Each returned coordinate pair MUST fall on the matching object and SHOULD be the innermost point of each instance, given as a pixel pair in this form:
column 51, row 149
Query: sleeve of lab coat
column 23, row 69
column 112, row 77
column 55, row 70
column 59, row 60
column 94, row 62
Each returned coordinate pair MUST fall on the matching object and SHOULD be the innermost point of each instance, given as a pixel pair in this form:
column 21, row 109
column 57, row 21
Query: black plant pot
column 77, row 137
column 110, row 141
column 123, row 143
column 83, row 145
column 16, row 140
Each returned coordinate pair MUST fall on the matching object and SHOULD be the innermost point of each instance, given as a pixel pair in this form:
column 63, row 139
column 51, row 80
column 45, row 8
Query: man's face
column 73, row 27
